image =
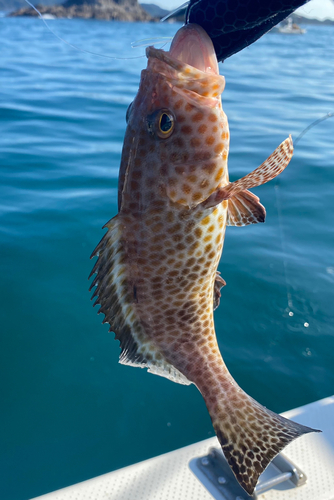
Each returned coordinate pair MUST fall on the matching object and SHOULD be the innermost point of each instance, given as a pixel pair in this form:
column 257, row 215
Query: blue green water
column 69, row 411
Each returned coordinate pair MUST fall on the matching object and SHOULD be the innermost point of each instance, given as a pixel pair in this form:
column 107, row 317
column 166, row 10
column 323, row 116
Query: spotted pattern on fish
column 157, row 281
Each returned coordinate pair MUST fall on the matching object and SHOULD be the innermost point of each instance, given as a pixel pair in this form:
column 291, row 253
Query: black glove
column 234, row 24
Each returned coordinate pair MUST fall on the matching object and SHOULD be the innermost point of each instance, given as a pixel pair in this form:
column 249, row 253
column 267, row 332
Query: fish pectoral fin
column 268, row 170
column 218, row 284
column 244, row 208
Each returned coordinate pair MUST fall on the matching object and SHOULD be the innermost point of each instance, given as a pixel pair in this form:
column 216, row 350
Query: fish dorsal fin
column 115, row 295
column 245, row 208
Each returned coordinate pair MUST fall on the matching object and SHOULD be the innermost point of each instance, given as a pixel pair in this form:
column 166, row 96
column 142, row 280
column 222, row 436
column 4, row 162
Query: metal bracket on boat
column 215, row 474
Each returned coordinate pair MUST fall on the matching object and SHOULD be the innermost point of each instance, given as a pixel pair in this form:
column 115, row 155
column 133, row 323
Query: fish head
column 177, row 117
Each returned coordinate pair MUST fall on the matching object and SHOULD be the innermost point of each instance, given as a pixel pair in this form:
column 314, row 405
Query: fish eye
column 161, row 123
column 166, row 123
column 128, row 112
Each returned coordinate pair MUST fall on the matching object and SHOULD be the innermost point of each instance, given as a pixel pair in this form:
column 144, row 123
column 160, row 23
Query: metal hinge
column 215, row 474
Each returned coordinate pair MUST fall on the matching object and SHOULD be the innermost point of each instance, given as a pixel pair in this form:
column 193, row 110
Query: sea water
column 69, row 411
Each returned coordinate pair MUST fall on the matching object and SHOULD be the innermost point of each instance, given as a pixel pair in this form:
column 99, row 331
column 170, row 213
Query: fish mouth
column 193, row 46
column 190, row 66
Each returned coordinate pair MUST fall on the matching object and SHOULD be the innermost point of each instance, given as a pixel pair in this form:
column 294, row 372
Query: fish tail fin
column 250, row 435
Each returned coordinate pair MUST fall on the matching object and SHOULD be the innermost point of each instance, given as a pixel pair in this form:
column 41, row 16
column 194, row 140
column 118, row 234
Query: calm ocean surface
column 69, row 411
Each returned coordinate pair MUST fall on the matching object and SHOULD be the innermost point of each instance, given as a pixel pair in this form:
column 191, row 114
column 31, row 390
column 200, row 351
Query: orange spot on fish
column 172, row 181
column 191, row 178
column 197, row 196
column 213, row 117
column 202, row 128
column 210, row 140
column 157, row 227
column 178, row 142
column 170, row 217
column 221, row 220
column 186, row 129
column 219, row 148
column 206, row 220
column 195, row 142
column 198, row 117
column 209, row 168
column 219, row 175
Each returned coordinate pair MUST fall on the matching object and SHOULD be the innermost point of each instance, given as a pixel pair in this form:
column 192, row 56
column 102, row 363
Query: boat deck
column 168, row 477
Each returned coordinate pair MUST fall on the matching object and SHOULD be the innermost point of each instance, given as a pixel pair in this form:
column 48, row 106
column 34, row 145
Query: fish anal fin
column 115, row 295
column 244, row 208
column 250, row 435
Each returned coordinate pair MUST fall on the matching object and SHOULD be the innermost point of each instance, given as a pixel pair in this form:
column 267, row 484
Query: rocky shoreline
column 109, row 10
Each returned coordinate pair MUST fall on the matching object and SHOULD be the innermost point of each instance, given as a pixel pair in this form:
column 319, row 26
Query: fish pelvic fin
column 244, row 208
column 115, row 293
column 218, row 285
column 250, row 435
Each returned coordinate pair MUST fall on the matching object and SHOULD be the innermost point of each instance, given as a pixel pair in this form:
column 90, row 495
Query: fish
column 156, row 279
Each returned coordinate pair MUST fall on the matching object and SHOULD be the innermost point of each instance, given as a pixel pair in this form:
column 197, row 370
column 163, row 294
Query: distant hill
column 305, row 20
column 154, row 10
column 108, row 10
column 9, row 5
column 85, row 8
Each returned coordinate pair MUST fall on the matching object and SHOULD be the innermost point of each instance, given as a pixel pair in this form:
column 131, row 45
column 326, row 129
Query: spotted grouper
column 157, row 281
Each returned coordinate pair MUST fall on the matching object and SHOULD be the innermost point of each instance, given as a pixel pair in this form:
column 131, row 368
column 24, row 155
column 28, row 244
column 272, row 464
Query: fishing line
column 178, row 9
column 145, row 42
column 313, row 124
column 283, row 245
column 280, row 216
column 75, row 47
